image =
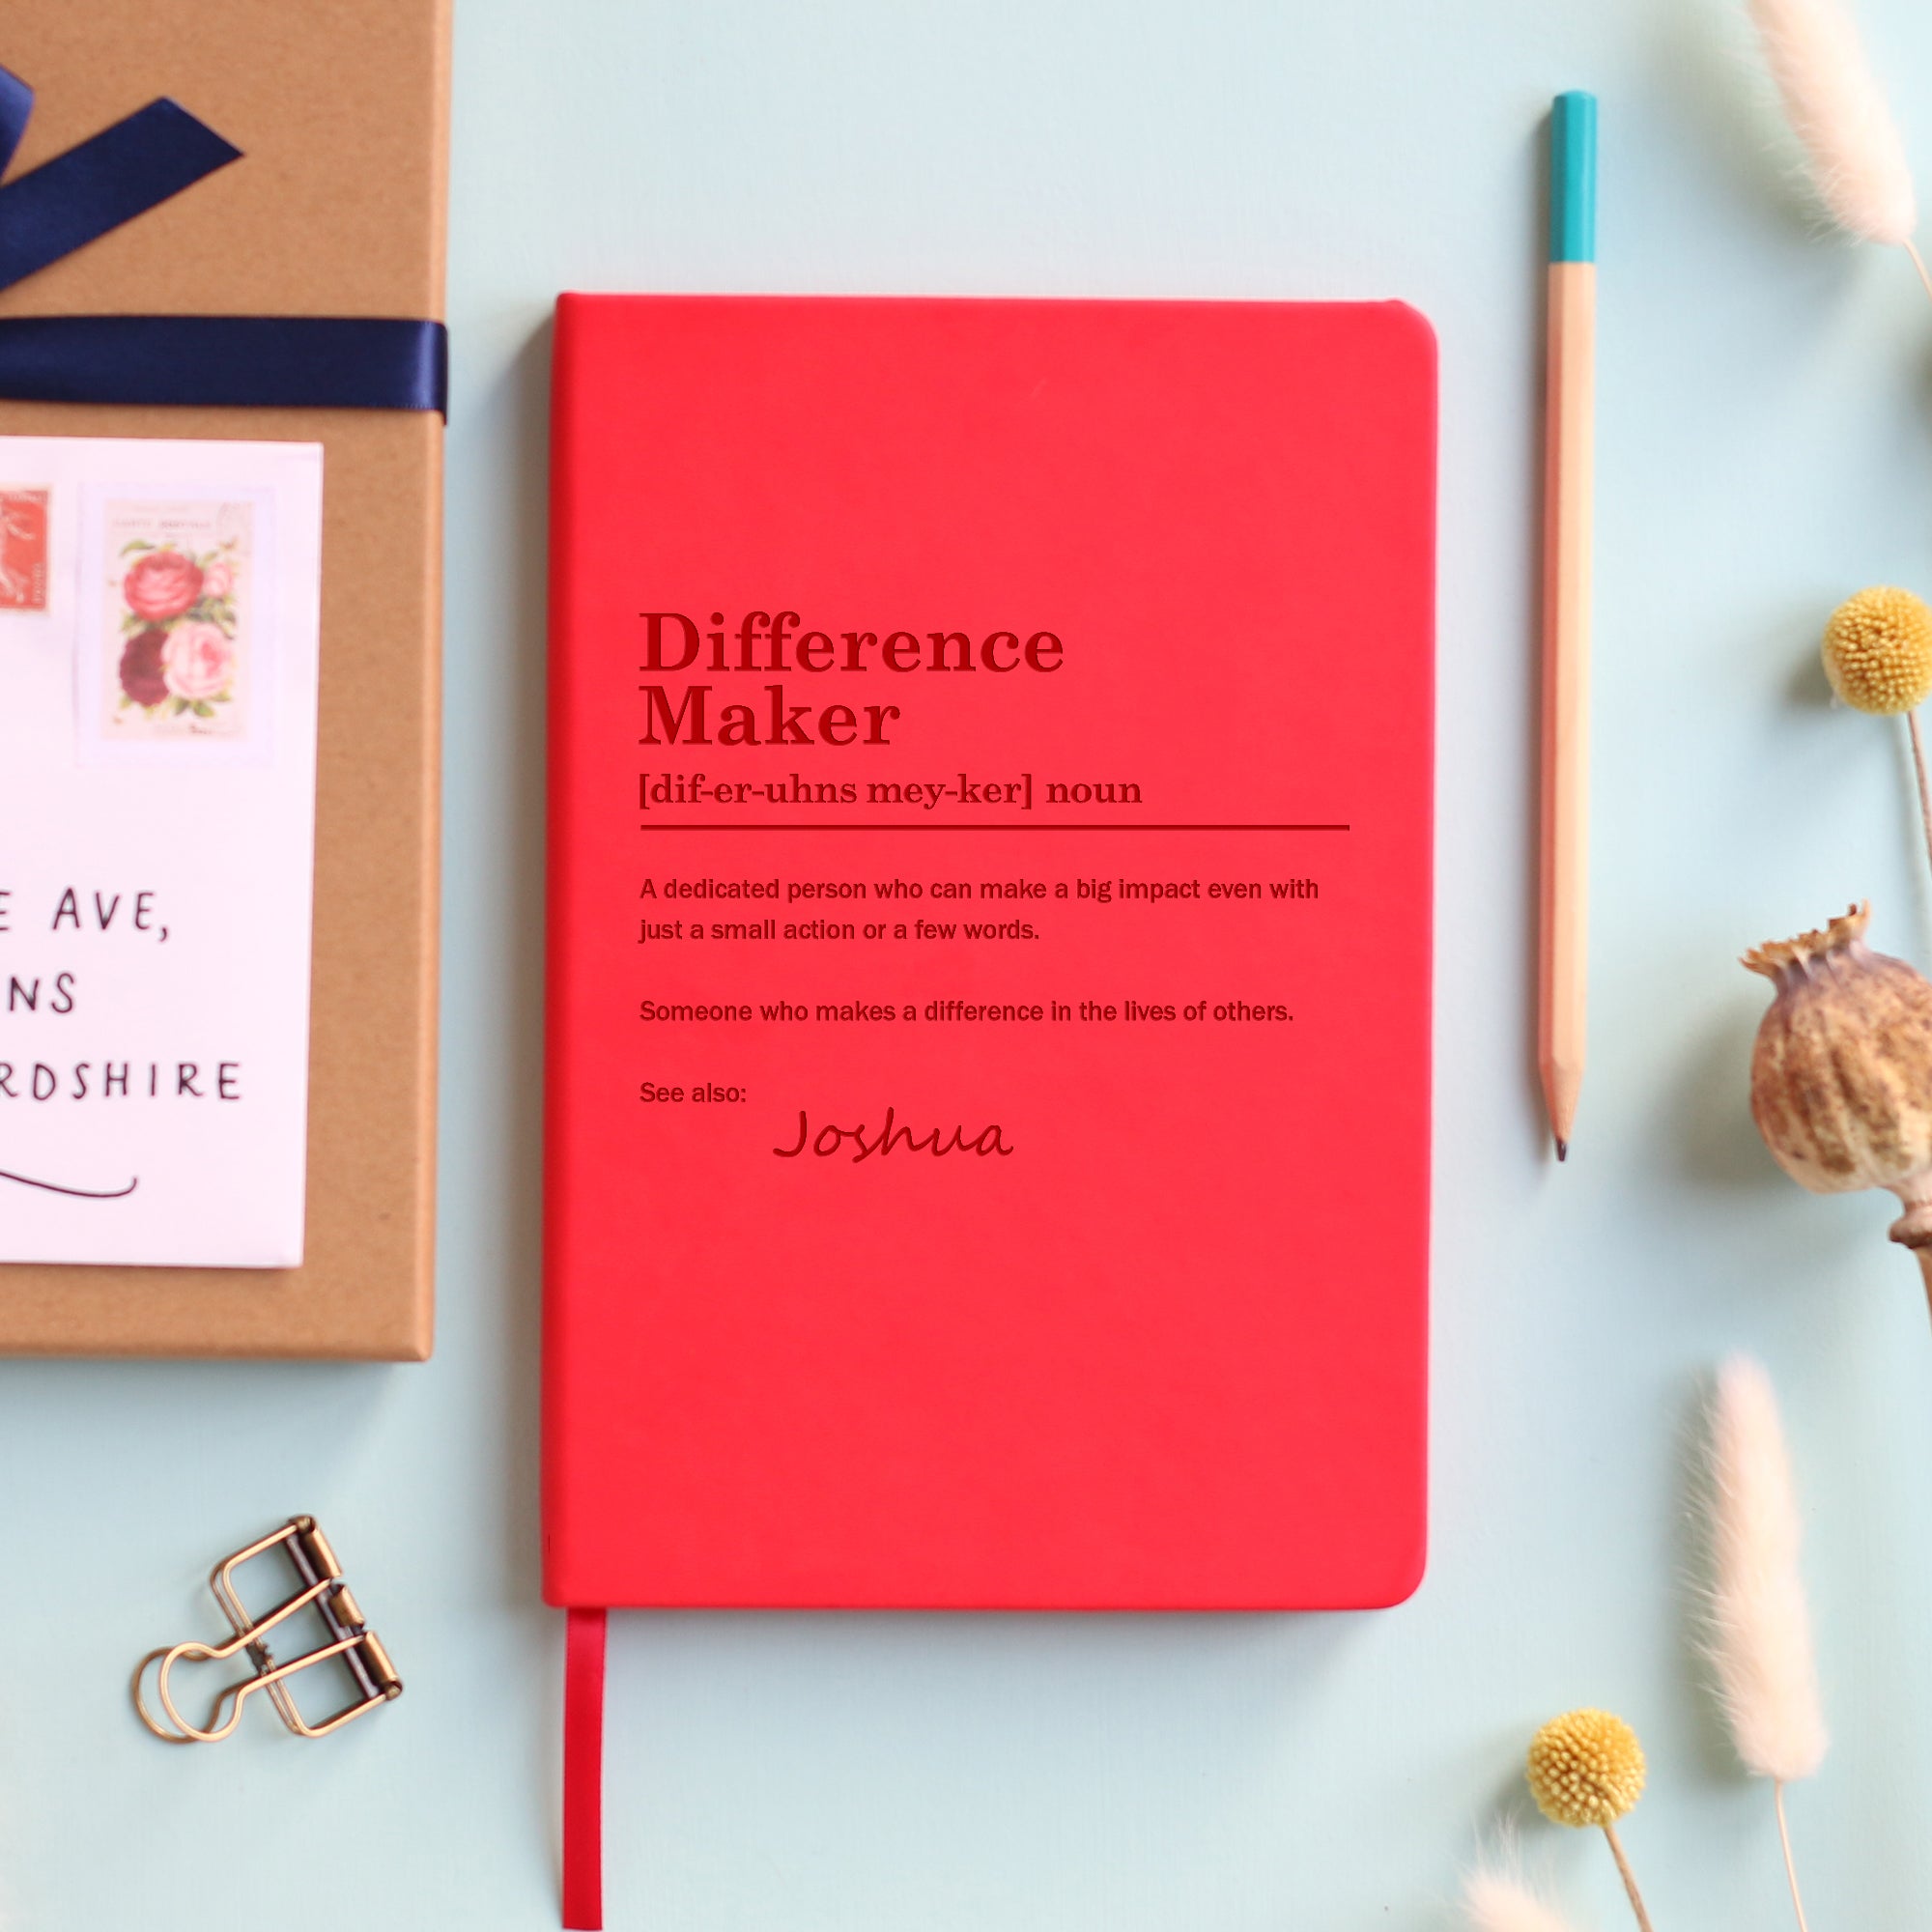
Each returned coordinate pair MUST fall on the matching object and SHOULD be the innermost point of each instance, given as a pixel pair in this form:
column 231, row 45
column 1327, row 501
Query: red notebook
column 987, row 1113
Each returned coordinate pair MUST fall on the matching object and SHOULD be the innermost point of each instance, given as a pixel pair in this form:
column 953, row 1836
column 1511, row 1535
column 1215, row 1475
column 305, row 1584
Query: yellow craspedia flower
column 1586, row 1767
column 1878, row 651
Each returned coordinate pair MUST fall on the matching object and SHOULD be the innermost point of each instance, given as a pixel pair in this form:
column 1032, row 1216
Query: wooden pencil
column 1568, row 437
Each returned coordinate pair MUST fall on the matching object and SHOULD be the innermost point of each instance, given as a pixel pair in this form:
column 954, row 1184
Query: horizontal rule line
column 915, row 825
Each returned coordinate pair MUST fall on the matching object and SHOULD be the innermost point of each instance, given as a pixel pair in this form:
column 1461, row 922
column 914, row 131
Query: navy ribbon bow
column 244, row 361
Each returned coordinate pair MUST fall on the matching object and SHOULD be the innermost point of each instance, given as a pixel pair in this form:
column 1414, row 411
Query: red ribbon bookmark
column 583, row 1771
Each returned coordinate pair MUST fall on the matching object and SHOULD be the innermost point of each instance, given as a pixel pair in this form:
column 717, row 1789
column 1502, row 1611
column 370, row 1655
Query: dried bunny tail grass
column 1760, row 1625
column 1760, row 1640
column 1838, row 112
column 1497, row 1900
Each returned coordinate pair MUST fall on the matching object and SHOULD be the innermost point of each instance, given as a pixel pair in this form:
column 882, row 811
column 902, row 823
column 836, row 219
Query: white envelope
column 160, row 630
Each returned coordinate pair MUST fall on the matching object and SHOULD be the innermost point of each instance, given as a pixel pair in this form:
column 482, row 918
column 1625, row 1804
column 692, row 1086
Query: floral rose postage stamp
column 176, row 617
column 23, row 549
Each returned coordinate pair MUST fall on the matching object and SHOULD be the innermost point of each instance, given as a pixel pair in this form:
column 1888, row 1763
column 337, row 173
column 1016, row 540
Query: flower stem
column 1925, row 788
column 1790, row 1870
column 1918, row 263
column 1912, row 718
column 1629, row 1878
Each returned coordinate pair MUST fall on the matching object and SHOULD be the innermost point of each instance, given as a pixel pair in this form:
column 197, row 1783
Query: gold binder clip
column 322, row 1587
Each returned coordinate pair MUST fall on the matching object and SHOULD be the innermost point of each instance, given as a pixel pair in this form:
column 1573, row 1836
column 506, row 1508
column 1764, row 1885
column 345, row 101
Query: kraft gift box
column 336, row 207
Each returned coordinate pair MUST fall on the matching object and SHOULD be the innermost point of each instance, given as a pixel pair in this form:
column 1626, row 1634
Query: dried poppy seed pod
column 1841, row 1076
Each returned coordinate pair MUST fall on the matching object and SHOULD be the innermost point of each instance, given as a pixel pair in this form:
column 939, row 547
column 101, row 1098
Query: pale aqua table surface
column 1764, row 451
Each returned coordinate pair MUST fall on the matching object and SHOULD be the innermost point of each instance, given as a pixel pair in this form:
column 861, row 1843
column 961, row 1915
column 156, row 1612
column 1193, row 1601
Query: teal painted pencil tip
column 1572, row 178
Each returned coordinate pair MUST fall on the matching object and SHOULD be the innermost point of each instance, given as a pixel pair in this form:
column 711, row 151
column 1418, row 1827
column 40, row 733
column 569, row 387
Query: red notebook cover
column 987, row 1111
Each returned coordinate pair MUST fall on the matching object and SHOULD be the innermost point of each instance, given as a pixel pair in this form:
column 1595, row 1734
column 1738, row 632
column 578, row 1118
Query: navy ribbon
column 244, row 361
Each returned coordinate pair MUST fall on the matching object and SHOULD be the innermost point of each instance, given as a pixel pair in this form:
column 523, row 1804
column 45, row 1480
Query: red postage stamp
column 23, row 549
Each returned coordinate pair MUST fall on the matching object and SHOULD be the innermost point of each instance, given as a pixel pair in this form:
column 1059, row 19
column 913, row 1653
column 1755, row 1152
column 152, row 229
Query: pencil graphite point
column 1562, row 1083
